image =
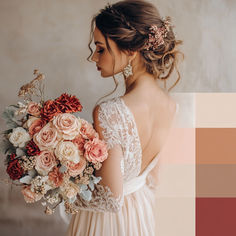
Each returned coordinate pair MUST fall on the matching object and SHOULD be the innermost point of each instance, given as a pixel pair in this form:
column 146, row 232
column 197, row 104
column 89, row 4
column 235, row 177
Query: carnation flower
column 68, row 104
column 49, row 110
column 56, row 177
column 14, row 169
column 32, row 149
column 19, row 137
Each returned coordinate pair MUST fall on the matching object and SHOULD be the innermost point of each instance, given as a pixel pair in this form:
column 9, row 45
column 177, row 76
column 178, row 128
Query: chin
column 104, row 75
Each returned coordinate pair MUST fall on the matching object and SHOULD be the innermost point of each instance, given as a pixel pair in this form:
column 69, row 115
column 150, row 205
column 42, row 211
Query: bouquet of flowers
column 50, row 151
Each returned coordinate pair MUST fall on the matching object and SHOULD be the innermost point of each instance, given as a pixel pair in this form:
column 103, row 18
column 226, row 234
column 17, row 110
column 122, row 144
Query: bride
column 132, row 39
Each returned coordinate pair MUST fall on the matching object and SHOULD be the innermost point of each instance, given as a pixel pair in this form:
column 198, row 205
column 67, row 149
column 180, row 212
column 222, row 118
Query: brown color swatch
column 215, row 180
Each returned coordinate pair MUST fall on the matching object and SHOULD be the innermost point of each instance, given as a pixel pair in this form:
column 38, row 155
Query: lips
column 98, row 68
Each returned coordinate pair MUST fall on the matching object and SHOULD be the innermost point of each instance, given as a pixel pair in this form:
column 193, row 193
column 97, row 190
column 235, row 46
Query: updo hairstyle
column 128, row 24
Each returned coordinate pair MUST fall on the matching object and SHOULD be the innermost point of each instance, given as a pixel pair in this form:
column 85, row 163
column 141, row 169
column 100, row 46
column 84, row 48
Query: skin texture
column 152, row 107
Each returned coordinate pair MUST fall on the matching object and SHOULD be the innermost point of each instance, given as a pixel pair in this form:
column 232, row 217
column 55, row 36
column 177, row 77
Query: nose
column 94, row 57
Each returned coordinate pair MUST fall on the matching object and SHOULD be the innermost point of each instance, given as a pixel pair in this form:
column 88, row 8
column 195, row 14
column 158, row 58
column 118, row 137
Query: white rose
column 19, row 137
column 70, row 190
column 67, row 150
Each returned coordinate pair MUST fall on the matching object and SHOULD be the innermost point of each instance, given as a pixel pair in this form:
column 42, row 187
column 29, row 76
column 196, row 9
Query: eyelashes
column 100, row 51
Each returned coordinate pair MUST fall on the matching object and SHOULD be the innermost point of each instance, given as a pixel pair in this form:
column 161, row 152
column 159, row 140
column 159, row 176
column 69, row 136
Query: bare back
column 154, row 111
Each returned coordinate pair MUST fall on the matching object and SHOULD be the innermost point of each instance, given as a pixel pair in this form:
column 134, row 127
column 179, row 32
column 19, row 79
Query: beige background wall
column 52, row 36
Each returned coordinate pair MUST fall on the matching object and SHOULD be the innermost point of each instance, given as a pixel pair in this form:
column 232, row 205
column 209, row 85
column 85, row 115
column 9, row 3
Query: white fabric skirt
column 136, row 218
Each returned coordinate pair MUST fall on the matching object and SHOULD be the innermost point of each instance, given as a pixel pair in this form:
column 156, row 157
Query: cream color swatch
column 176, row 180
column 215, row 110
column 175, row 216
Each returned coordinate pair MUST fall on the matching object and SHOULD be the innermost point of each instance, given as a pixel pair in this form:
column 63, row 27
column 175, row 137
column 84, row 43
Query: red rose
column 32, row 149
column 67, row 103
column 49, row 110
column 14, row 170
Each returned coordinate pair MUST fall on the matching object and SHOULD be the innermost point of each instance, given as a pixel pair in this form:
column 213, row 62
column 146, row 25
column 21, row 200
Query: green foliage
column 9, row 116
column 7, row 147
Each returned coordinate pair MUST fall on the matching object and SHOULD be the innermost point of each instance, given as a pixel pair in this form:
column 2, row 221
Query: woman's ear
column 132, row 54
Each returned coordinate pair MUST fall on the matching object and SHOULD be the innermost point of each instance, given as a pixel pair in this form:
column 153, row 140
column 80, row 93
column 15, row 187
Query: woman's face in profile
column 103, row 58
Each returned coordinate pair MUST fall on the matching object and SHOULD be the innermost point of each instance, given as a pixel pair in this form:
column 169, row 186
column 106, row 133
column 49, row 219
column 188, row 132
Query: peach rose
column 76, row 169
column 47, row 137
column 33, row 108
column 30, row 196
column 36, row 126
column 67, row 124
column 66, row 150
column 87, row 130
column 95, row 150
column 56, row 177
column 45, row 161
column 79, row 141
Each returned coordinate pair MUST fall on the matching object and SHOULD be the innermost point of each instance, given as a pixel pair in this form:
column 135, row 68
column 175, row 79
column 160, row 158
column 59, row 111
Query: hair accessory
column 128, row 70
column 157, row 35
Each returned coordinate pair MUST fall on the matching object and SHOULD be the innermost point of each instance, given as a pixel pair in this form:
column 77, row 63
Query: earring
column 128, row 70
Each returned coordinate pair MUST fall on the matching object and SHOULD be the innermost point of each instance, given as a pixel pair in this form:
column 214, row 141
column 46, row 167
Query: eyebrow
column 97, row 42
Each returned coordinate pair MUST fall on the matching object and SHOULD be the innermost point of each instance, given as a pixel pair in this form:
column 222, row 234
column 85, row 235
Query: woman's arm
column 108, row 193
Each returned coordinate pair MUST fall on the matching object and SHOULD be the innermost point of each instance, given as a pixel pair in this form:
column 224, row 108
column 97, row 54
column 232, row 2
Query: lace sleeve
column 108, row 193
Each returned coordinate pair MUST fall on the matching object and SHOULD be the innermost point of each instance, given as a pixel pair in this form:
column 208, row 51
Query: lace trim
column 136, row 159
column 102, row 201
column 119, row 127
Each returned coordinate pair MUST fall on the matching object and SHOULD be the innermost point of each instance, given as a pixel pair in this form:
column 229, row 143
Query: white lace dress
column 132, row 212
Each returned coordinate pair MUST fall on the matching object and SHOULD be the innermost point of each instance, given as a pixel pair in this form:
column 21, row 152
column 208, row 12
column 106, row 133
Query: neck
column 135, row 80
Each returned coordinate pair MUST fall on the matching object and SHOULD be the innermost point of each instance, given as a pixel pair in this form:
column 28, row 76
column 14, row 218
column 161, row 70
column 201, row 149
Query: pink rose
column 79, row 141
column 67, row 124
column 36, row 126
column 95, row 150
column 33, row 108
column 45, row 161
column 87, row 130
column 47, row 137
column 30, row 196
column 76, row 169
column 56, row 177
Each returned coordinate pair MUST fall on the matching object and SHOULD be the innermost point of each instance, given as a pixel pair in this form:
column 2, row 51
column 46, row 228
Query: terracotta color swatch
column 215, row 146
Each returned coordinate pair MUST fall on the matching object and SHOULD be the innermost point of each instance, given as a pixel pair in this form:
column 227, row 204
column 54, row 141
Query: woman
column 131, row 39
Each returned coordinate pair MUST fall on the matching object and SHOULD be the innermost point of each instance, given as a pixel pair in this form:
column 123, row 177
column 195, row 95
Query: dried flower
column 27, row 163
column 98, row 165
column 49, row 211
